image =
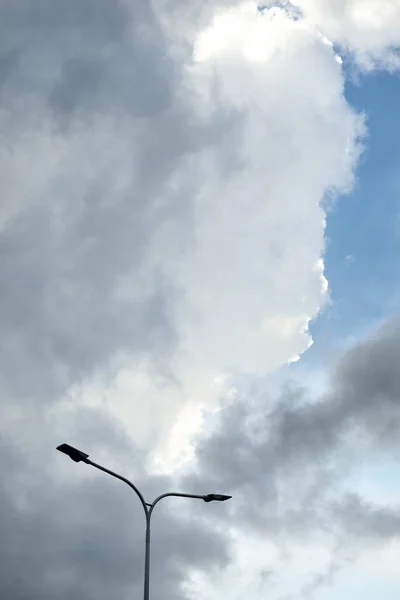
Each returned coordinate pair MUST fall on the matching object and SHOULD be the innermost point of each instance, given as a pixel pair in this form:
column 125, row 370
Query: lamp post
column 79, row 456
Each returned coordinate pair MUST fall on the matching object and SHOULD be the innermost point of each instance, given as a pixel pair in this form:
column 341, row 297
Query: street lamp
column 79, row 456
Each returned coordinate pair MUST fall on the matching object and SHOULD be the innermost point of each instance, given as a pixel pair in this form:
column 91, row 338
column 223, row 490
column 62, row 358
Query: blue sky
column 363, row 229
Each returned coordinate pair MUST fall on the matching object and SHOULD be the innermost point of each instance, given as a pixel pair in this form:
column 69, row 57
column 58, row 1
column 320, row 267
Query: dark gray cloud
column 85, row 57
column 68, row 533
column 288, row 460
column 94, row 216
column 70, row 536
column 95, row 128
column 83, row 537
column 365, row 521
column 266, row 449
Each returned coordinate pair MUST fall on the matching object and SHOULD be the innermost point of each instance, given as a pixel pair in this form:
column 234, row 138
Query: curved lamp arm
column 125, row 480
column 172, row 494
column 79, row 456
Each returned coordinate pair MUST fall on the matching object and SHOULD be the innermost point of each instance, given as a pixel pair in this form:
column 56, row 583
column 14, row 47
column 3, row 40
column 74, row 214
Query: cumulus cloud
column 369, row 30
column 176, row 216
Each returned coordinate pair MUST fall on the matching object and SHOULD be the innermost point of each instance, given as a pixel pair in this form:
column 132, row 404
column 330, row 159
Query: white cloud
column 370, row 29
column 217, row 228
column 252, row 277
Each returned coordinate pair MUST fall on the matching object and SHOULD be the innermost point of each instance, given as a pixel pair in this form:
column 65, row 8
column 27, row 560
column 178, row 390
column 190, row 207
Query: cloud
column 184, row 232
column 366, row 29
column 259, row 217
column 369, row 30
column 70, row 533
column 87, row 197
column 292, row 430
column 366, row 521
column 289, row 460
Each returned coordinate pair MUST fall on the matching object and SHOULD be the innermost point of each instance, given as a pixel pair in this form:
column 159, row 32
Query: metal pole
column 147, row 560
column 148, row 513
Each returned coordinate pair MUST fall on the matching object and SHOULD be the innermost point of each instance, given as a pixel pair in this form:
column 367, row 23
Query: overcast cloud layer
column 165, row 177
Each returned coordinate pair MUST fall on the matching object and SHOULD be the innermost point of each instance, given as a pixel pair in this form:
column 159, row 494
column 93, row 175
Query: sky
column 199, row 232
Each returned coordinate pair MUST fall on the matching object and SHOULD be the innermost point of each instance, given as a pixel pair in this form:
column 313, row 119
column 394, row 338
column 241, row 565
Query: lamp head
column 74, row 454
column 216, row 497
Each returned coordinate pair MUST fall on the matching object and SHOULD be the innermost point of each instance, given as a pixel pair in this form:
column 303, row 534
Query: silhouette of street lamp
column 79, row 456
